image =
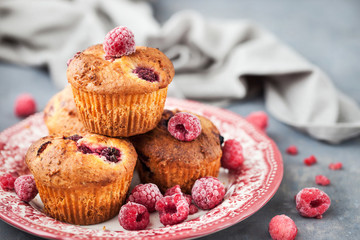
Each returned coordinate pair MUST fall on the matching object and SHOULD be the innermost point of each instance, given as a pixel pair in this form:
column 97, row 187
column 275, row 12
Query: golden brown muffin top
column 91, row 72
column 160, row 146
column 65, row 162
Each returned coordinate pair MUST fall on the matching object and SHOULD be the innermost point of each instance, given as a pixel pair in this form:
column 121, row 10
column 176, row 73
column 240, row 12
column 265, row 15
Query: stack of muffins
column 110, row 117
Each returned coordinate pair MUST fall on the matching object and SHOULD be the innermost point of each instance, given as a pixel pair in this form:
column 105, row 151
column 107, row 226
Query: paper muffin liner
column 84, row 205
column 120, row 115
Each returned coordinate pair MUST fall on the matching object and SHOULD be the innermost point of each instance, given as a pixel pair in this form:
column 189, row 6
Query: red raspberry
column 172, row 209
column 232, row 154
column 25, row 105
column 193, row 209
column 312, row 202
column 25, row 187
column 208, row 192
column 134, row 216
column 7, row 181
column 176, row 190
column 335, row 166
column 322, row 180
column 146, row 194
column 292, row 150
column 259, row 119
column 184, row 126
column 173, row 190
column 310, row 160
column 119, row 42
column 281, row 227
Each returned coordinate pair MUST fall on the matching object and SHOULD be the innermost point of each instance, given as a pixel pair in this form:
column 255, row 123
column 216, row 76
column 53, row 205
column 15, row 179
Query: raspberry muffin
column 61, row 116
column 166, row 161
column 82, row 179
column 120, row 96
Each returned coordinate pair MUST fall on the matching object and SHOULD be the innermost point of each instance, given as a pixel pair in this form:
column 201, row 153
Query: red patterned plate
column 247, row 190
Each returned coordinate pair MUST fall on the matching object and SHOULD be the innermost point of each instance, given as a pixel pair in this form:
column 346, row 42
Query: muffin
column 166, row 161
column 120, row 97
column 82, row 179
column 61, row 116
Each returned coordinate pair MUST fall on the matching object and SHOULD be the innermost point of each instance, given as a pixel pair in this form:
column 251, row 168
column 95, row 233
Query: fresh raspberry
column 7, row 181
column 173, row 190
column 208, row 192
column 281, row 227
column 177, row 190
column 146, row 74
column 172, row 209
column 292, row 150
column 322, row 180
column 146, row 194
column 119, row 42
column 312, row 202
column 184, row 126
column 310, row 160
column 134, row 216
column 335, row 166
column 25, row 187
column 193, row 209
column 259, row 119
column 25, row 105
column 232, row 154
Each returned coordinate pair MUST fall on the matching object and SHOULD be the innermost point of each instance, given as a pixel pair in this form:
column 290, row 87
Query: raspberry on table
column 310, row 160
column 335, row 166
column 25, row 187
column 119, row 42
column 208, row 192
column 281, row 227
column 146, row 194
column 232, row 154
column 172, row 209
column 322, row 180
column 7, row 181
column 134, row 216
column 259, row 119
column 25, row 105
column 184, row 126
column 292, row 150
column 312, row 202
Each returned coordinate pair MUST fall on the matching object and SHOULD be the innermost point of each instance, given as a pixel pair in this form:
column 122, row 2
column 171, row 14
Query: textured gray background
column 327, row 33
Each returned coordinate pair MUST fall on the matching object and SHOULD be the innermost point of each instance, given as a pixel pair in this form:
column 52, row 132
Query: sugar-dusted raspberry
column 146, row 194
column 312, row 202
column 172, row 209
column 119, row 42
column 310, row 160
column 281, row 227
column 335, row 166
column 134, row 216
column 208, row 192
column 184, row 126
column 173, row 190
column 322, row 180
column 193, row 209
column 7, row 181
column 25, row 105
column 146, row 74
column 292, row 150
column 232, row 154
column 25, row 187
column 259, row 119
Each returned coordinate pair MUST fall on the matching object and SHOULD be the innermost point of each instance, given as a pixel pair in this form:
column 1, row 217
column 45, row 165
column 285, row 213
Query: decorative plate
column 247, row 190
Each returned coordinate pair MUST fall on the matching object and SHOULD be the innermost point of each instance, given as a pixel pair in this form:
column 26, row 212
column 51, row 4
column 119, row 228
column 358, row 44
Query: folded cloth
column 213, row 59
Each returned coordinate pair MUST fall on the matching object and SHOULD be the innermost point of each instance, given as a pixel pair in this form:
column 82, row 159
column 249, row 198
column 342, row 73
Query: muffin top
column 61, row 115
column 159, row 145
column 77, row 161
column 144, row 71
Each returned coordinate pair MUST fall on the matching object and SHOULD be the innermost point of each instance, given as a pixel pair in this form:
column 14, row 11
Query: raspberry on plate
column 184, row 126
column 310, row 160
column 258, row 119
column 25, row 187
column 177, row 190
column 281, row 227
column 322, row 180
column 134, row 216
column 335, row 166
column 232, row 156
column 208, row 192
column 312, row 202
column 119, row 42
column 172, row 209
column 173, row 190
column 25, row 105
column 146, row 194
column 292, row 150
column 7, row 181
